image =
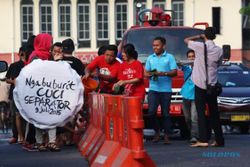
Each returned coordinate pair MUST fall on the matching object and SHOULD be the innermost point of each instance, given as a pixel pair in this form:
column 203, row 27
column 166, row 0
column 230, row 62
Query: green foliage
column 245, row 10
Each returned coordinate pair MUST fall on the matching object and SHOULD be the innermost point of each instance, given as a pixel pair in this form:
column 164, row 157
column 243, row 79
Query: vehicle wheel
column 244, row 129
column 184, row 131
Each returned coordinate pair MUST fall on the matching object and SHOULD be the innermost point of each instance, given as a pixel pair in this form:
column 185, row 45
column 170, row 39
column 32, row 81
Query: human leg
column 215, row 119
column 194, row 120
column 52, row 140
column 200, row 102
column 186, row 108
column 13, row 123
column 153, row 103
column 165, row 99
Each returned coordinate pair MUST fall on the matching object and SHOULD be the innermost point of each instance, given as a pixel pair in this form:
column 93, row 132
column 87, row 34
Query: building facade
column 92, row 23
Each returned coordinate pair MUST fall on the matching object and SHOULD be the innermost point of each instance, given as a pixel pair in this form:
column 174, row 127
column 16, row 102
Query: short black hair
column 129, row 49
column 68, row 46
column 57, row 44
column 102, row 50
column 189, row 51
column 162, row 39
column 210, row 33
column 113, row 48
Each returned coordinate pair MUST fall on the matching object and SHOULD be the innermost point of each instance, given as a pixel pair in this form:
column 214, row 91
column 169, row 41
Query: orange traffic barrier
column 124, row 124
column 94, row 130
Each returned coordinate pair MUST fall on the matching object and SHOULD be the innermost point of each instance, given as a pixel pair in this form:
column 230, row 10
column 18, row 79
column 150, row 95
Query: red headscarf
column 42, row 44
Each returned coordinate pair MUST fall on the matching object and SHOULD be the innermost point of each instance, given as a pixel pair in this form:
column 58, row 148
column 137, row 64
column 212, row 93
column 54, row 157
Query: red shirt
column 130, row 71
column 105, row 69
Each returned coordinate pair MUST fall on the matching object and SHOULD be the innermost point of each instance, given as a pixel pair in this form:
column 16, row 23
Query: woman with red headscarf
column 42, row 45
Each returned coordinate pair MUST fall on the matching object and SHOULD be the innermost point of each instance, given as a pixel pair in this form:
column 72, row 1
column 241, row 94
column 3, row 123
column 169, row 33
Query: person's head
column 210, row 33
column 43, row 42
column 159, row 44
column 30, row 46
column 56, row 49
column 102, row 50
column 22, row 52
column 110, row 53
column 68, row 46
column 129, row 52
column 190, row 54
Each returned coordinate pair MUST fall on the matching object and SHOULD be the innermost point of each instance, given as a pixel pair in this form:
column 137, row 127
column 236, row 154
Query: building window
column 102, row 23
column 83, row 8
column 178, row 15
column 121, row 19
column 159, row 4
column 46, row 16
column 26, row 19
column 64, row 18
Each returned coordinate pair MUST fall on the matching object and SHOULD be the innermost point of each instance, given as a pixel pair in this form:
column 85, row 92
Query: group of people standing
column 40, row 47
column 129, row 76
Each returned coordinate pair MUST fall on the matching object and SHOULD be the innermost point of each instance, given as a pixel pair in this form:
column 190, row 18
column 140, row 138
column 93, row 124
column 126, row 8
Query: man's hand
column 58, row 56
column 86, row 76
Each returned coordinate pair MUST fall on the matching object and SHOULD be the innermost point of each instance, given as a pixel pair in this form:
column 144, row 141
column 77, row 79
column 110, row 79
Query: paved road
column 178, row 154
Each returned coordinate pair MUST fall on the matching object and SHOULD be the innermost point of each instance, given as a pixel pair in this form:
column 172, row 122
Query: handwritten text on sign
column 49, row 95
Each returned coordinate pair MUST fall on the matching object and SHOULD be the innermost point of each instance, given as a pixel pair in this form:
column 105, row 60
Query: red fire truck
column 157, row 22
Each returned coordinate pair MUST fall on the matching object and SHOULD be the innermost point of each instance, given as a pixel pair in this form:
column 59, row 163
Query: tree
column 245, row 10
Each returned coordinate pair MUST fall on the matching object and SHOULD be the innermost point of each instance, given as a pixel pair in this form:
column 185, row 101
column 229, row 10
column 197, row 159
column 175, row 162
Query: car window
column 234, row 78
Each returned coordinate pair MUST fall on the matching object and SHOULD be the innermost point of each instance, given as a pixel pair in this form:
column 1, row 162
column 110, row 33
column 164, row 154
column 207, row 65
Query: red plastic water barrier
column 124, row 124
column 94, row 134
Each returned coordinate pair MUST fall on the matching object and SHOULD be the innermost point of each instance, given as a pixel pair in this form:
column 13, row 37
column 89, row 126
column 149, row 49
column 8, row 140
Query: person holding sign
column 42, row 45
column 108, row 68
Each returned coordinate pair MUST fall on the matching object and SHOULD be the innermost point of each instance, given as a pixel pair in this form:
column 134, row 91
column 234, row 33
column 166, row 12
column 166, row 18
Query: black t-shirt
column 12, row 73
column 76, row 64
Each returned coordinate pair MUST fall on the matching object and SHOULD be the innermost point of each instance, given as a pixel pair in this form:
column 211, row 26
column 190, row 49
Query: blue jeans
column 163, row 99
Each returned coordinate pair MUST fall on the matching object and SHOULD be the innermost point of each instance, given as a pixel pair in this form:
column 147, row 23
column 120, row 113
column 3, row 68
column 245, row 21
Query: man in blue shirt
column 160, row 68
column 187, row 92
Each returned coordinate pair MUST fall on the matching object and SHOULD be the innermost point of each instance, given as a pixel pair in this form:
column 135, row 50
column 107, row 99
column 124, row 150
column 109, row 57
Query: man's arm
column 193, row 38
column 171, row 73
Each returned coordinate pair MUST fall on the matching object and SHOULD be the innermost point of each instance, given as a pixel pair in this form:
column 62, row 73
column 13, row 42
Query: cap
column 68, row 46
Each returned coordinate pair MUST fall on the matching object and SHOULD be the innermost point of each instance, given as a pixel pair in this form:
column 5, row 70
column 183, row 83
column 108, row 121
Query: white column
column 149, row 4
column 131, row 13
column 111, row 21
column 17, row 25
column 169, row 4
column 36, row 18
column 93, row 24
column 74, row 21
column 55, row 20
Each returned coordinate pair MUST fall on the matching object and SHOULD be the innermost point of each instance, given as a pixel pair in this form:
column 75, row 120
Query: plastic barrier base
column 107, row 154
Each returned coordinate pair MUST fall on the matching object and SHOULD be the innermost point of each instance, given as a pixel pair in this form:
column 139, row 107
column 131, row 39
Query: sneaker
column 13, row 141
column 193, row 140
column 29, row 147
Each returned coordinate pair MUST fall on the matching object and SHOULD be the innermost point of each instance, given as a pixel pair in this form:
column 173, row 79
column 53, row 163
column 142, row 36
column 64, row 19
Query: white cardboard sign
column 48, row 93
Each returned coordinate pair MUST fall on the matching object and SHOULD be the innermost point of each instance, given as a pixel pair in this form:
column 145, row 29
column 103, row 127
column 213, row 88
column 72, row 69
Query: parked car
column 234, row 101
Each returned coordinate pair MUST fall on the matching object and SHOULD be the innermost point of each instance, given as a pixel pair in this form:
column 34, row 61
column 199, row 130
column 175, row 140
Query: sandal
column 42, row 148
column 53, row 147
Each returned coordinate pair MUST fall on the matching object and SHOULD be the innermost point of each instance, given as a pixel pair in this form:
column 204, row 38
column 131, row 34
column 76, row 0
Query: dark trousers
column 154, row 100
column 201, row 99
column 13, row 110
column 31, row 139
